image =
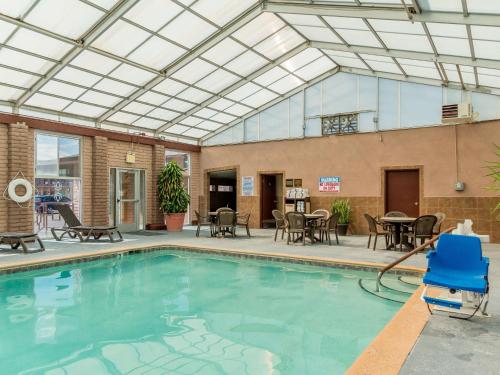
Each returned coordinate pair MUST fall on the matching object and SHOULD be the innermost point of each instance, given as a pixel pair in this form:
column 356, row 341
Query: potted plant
column 174, row 199
column 343, row 207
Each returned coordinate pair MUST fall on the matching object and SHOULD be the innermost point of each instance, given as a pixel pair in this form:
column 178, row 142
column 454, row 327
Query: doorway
column 271, row 197
column 222, row 189
column 127, row 199
column 402, row 191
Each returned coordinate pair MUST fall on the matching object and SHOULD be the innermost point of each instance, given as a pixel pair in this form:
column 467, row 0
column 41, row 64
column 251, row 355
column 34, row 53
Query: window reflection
column 69, row 157
column 46, row 155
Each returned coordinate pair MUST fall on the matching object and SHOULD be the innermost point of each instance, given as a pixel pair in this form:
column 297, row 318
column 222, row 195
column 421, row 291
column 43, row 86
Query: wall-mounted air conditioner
column 457, row 113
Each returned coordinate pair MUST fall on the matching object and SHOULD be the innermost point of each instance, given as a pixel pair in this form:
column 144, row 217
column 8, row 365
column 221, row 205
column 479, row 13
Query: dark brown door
column 268, row 200
column 402, row 191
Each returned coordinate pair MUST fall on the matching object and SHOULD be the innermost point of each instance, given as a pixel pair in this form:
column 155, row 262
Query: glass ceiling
column 185, row 69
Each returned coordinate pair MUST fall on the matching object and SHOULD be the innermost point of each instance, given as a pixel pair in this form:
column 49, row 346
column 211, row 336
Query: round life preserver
column 12, row 190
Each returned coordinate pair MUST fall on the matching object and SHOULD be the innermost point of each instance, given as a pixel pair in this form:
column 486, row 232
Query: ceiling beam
column 424, row 56
column 85, row 41
column 236, row 85
column 192, row 55
column 396, row 13
column 289, row 94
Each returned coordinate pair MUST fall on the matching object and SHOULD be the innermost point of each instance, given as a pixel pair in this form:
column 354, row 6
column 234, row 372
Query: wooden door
column 402, row 191
column 268, row 199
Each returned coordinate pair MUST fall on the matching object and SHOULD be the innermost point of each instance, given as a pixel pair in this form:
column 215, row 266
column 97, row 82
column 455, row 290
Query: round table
column 399, row 236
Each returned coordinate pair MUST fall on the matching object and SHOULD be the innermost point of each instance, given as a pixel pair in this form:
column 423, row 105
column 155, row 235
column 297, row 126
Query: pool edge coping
column 102, row 253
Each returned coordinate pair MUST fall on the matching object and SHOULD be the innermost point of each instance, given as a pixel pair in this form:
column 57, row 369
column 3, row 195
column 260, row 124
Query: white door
column 128, row 199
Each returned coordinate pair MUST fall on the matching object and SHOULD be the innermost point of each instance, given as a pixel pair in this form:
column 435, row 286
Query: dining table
column 399, row 232
column 311, row 223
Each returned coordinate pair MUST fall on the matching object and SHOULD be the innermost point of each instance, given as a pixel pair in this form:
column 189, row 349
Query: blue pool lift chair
column 458, row 265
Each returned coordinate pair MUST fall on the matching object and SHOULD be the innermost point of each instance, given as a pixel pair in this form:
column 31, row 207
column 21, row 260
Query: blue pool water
column 176, row 312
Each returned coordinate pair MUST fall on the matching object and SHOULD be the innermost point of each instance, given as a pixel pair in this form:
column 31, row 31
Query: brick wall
column 87, row 178
column 100, row 182
column 4, row 175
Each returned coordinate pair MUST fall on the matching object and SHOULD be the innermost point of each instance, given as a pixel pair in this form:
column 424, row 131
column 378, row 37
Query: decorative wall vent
column 457, row 113
column 339, row 124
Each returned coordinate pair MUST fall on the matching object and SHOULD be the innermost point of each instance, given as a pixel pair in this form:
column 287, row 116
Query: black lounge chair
column 76, row 229
column 15, row 239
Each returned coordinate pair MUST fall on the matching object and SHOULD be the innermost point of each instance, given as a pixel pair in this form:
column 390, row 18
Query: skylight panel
column 447, row 29
column 48, row 102
column 238, row 110
column 259, row 29
column 346, row 23
column 302, row 20
column 407, row 42
column 398, row 27
column 451, row 72
column 121, row 38
column 279, row 43
column 468, row 74
column 246, row 90
column 221, row 104
column 156, row 53
column 260, row 98
column 38, row 43
column 149, row 123
column 62, row 89
column 177, row 129
column 15, row 8
column 77, row 76
column 222, row 11
column 210, row 125
column 220, row 117
column 314, row 69
column 153, row 98
column 170, row 87
column 483, row 6
column 24, row 61
column 86, row 110
column 10, row 93
column 345, row 59
column 153, row 14
column 94, row 62
column 96, row 97
column 485, row 32
column 359, row 38
column 5, row 30
column 247, row 63
column 71, row 18
column 442, row 6
column 381, row 63
column 193, row 95
column 124, row 118
column 217, row 81
column 132, row 74
column 178, row 105
column 191, row 121
column 286, row 84
column 270, row 76
column 205, row 113
column 318, row 34
column 187, row 29
column 138, row 108
column 452, row 46
column 224, row 51
column 196, row 133
column 114, row 87
column 163, row 114
column 419, row 68
column 486, row 49
column 193, row 71
column 106, row 4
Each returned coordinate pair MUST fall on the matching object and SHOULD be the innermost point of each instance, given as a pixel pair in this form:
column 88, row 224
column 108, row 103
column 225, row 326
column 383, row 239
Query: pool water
column 176, row 312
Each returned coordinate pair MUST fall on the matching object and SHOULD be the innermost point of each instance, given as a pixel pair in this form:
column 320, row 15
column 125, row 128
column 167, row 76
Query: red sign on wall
column 329, row 184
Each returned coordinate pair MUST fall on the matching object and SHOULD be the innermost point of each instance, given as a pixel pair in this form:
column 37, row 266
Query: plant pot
column 342, row 229
column 174, row 222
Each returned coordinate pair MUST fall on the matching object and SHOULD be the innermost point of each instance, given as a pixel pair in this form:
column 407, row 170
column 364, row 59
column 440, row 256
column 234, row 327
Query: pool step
column 368, row 285
column 399, row 285
column 411, row 280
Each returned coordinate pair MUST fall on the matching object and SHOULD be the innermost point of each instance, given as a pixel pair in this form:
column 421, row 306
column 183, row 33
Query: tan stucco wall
column 358, row 159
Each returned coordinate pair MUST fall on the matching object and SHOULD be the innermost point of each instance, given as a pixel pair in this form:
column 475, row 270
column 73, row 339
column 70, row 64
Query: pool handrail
column 406, row 256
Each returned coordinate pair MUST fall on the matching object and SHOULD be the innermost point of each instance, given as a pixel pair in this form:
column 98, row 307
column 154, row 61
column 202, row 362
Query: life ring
column 12, row 190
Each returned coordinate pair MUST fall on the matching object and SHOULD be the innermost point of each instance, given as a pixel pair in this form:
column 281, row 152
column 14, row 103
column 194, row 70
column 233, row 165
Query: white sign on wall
column 247, row 185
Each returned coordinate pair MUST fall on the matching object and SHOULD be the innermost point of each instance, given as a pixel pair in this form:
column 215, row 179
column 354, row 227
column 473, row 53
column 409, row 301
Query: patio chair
column 421, row 228
column 225, row 222
column 458, row 264
column 280, row 223
column 376, row 229
column 83, row 232
column 203, row 221
column 296, row 226
column 437, row 227
column 391, row 227
column 242, row 220
column 395, row 214
column 330, row 225
column 15, row 240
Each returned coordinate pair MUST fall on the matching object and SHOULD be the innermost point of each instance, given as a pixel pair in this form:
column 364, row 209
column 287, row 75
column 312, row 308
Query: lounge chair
column 15, row 240
column 76, row 229
column 458, row 265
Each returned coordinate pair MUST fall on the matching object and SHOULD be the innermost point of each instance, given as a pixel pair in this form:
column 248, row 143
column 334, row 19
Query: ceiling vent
column 457, row 113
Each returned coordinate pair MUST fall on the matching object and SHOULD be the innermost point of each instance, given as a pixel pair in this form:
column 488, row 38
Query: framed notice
column 247, row 186
column 289, row 182
column 329, row 184
column 297, row 182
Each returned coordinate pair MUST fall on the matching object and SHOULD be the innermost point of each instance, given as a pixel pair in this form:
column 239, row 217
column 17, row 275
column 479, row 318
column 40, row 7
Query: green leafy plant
column 173, row 197
column 494, row 168
column 344, row 208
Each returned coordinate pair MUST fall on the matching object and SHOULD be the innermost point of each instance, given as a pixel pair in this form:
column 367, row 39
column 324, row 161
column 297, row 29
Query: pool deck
column 444, row 345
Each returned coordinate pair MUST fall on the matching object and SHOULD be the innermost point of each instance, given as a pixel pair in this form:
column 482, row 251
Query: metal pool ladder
column 406, row 256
